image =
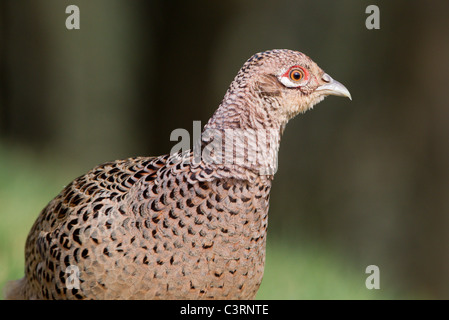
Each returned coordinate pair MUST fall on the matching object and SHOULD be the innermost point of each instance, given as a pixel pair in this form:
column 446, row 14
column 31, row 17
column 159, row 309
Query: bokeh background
column 359, row 183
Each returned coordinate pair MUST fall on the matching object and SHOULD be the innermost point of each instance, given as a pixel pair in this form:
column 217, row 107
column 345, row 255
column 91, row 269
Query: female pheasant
column 181, row 226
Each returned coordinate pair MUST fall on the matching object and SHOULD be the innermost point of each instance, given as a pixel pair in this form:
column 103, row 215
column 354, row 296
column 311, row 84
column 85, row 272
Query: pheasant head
column 271, row 88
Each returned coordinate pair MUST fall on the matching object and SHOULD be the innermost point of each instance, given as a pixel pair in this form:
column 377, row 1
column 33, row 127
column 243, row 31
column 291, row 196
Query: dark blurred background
column 367, row 178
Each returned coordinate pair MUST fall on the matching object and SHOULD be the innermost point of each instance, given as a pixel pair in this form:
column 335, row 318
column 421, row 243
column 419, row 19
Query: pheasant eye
column 295, row 77
column 296, row 74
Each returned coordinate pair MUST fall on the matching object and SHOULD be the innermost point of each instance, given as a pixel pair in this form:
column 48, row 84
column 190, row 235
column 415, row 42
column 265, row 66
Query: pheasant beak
column 333, row 87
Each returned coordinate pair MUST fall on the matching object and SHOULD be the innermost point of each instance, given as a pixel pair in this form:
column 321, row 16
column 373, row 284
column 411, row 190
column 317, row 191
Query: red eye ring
column 297, row 74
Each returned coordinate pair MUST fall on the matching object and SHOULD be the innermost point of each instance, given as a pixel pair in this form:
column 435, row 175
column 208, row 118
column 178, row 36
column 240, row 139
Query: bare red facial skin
column 304, row 79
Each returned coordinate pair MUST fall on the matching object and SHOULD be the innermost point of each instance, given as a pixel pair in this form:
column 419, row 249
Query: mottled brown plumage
column 172, row 227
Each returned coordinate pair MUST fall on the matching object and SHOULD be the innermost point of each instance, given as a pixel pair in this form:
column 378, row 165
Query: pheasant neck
column 240, row 136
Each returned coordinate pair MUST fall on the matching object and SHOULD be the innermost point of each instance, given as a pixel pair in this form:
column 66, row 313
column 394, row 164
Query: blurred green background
column 359, row 183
